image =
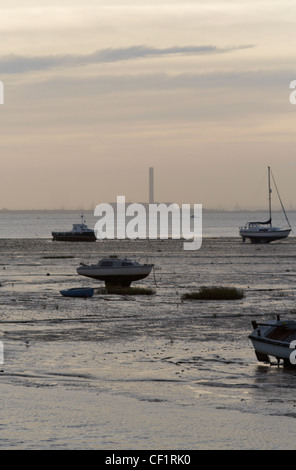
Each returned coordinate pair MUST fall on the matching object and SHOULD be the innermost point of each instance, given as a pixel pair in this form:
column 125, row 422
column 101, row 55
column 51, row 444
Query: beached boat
column 79, row 233
column 264, row 232
column 275, row 339
column 78, row 292
column 116, row 271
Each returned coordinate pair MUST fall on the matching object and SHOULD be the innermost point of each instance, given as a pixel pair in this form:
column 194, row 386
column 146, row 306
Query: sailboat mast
column 269, row 194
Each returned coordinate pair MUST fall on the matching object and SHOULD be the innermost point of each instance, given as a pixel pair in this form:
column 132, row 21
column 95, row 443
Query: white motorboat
column 79, row 233
column 275, row 339
column 116, row 271
column 265, row 232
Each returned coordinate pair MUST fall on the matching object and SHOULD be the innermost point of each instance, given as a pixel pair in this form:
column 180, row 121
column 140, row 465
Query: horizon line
column 90, row 210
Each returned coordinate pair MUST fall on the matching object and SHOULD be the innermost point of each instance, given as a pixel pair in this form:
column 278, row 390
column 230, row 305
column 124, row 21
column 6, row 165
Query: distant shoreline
column 91, row 211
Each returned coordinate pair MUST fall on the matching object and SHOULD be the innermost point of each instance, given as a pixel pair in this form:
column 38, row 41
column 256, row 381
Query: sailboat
column 265, row 232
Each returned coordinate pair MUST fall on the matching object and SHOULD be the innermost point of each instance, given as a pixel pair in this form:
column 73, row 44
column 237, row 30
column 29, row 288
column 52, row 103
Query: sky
column 96, row 92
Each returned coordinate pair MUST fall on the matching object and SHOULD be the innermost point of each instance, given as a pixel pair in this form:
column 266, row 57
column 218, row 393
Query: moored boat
column 116, row 271
column 265, row 232
column 258, row 232
column 275, row 339
column 78, row 292
column 79, row 233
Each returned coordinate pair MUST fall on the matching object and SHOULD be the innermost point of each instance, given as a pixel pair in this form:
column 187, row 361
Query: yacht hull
column 121, row 276
column 264, row 236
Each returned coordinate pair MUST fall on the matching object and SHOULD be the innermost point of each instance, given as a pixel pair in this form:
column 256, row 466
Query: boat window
column 107, row 263
column 126, row 263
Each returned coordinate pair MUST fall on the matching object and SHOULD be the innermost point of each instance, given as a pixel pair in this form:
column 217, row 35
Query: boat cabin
column 109, row 263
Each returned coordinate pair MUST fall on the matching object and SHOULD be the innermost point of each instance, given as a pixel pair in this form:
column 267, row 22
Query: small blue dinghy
column 78, row 292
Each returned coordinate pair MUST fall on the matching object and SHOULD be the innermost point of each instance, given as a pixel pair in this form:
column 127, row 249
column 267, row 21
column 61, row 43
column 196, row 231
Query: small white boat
column 265, row 232
column 116, row 271
column 79, row 233
column 275, row 339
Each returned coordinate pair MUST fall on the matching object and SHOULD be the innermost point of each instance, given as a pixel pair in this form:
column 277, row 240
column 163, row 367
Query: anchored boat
column 116, row 271
column 78, row 292
column 79, row 233
column 265, row 232
column 275, row 339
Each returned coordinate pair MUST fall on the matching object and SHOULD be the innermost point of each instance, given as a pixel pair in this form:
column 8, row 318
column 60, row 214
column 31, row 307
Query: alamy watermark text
column 150, row 221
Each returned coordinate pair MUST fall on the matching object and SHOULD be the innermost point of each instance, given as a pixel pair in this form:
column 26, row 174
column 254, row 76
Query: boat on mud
column 78, row 292
column 265, row 232
column 275, row 339
column 79, row 233
column 116, row 271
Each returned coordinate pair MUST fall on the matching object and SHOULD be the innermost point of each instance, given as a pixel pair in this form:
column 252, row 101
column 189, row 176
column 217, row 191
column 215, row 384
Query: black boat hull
column 70, row 237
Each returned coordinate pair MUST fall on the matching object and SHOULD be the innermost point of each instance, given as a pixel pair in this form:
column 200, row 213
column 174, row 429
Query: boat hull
column 274, row 340
column 264, row 236
column 78, row 292
column 73, row 237
column 266, row 349
column 123, row 277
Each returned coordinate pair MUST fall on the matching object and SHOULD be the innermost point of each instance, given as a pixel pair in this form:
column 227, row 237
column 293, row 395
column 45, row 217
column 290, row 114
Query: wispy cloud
column 12, row 63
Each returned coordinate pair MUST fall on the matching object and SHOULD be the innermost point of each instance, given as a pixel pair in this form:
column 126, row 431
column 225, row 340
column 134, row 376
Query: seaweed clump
column 214, row 293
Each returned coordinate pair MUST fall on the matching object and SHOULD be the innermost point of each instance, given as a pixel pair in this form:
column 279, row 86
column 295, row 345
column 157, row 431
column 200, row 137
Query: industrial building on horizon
column 151, row 185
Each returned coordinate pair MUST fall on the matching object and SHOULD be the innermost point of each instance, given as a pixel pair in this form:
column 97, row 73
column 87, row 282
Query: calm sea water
column 141, row 372
column 41, row 224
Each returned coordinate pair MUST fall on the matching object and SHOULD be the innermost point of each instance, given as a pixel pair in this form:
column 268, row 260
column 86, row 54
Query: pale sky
column 96, row 92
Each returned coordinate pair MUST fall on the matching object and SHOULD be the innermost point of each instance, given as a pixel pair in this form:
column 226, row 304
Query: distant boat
column 78, row 292
column 273, row 339
column 116, row 271
column 264, row 232
column 79, row 233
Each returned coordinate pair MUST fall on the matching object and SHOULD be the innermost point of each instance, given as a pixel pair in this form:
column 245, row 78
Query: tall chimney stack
column 151, row 185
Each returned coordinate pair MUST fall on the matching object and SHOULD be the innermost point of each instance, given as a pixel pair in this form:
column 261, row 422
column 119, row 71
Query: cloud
column 12, row 63
column 242, row 82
